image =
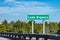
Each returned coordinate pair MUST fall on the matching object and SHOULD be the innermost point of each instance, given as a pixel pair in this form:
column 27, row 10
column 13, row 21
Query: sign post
column 32, row 27
column 43, row 26
column 38, row 17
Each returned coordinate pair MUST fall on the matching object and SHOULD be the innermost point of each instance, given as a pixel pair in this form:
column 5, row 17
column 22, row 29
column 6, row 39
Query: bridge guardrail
column 18, row 36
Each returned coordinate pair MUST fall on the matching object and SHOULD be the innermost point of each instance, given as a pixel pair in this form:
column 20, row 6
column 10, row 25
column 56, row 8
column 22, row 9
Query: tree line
column 25, row 27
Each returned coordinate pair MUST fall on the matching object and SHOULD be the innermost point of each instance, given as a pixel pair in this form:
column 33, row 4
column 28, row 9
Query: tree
column 2, row 28
column 26, row 27
column 58, row 32
column 47, row 27
column 53, row 27
column 38, row 28
column 5, row 23
column 11, row 26
column 59, row 25
column 30, row 22
column 17, row 26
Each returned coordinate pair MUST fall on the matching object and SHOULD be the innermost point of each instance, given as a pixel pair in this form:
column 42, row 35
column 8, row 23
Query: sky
column 12, row 10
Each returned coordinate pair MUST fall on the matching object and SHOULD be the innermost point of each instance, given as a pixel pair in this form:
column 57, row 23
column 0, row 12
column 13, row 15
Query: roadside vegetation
column 25, row 27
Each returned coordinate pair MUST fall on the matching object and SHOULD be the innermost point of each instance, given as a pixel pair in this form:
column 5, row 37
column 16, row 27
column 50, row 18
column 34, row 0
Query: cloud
column 13, row 6
column 9, row 0
column 20, row 9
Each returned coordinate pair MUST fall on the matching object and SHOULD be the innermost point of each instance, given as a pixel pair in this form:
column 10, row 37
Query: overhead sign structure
column 38, row 17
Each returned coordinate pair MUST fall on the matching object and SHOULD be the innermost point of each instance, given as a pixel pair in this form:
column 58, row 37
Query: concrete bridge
column 18, row 36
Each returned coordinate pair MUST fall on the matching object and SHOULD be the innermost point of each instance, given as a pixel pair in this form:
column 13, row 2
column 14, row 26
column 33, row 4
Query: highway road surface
column 1, row 38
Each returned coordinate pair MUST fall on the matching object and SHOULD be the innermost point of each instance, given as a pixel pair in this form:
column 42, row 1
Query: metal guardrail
column 18, row 36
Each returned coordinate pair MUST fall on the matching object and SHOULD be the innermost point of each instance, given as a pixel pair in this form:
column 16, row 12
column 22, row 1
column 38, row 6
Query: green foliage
column 53, row 27
column 58, row 32
column 25, row 27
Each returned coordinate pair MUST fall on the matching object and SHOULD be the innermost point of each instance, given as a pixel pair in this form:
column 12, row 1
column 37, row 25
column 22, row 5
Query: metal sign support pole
column 43, row 26
column 32, row 27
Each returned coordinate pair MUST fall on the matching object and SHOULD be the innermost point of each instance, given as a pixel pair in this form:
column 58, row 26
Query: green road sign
column 38, row 17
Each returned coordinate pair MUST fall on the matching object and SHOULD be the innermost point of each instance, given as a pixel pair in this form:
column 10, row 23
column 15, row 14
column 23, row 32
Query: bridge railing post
column 30, row 38
column 45, row 39
column 37, row 38
column 19, row 37
column 24, row 37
